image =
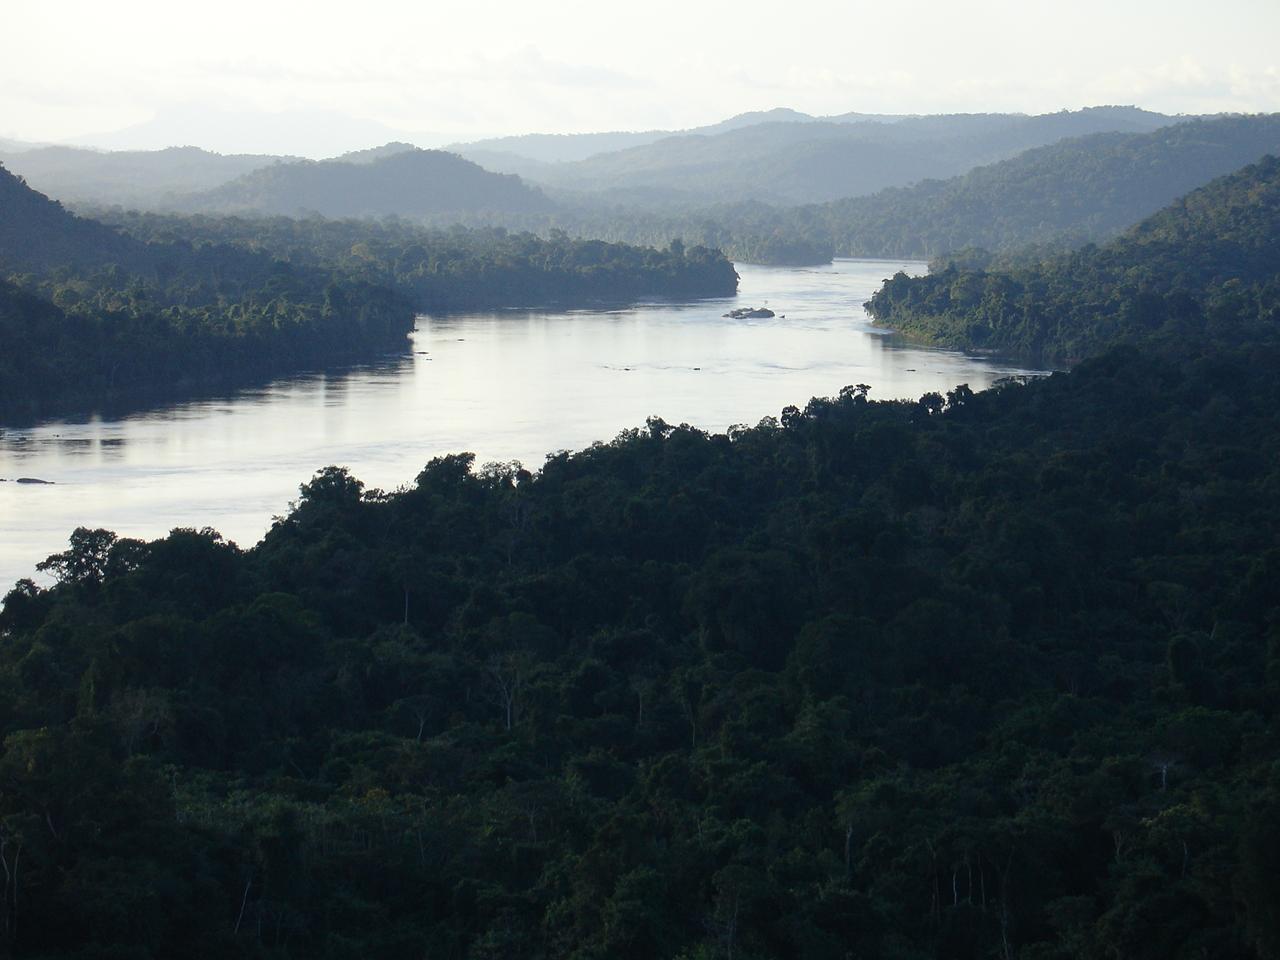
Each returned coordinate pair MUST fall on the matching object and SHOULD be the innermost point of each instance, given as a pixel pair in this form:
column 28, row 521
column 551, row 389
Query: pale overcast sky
column 222, row 74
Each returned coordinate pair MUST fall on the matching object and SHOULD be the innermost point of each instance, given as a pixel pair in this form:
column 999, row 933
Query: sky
column 319, row 77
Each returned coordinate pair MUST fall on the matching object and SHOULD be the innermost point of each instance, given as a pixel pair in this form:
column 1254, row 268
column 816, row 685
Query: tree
column 86, row 562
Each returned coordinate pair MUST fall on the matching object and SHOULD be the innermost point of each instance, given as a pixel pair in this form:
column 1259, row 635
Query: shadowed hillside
column 406, row 183
column 1075, row 191
column 37, row 234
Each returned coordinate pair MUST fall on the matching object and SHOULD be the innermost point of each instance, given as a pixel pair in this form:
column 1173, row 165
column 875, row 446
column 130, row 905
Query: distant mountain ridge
column 780, row 157
column 1053, row 198
column 1079, row 190
column 570, row 147
column 375, row 153
column 409, row 183
column 793, row 162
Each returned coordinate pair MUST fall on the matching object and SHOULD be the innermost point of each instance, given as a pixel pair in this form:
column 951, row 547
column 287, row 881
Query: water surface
column 506, row 386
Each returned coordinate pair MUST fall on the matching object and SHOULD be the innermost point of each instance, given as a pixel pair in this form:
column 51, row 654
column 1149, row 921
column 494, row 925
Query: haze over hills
column 151, row 178
column 116, row 169
column 135, row 178
column 10, row 145
column 730, row 187
column 1072, row 192
column 503, row 161
column 799, row 162
column 570, row 147
column 408, row 183
column 779, row 156
column 311, row 133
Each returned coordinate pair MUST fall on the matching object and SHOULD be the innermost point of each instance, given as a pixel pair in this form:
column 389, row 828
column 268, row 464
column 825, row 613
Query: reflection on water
column 507, row 386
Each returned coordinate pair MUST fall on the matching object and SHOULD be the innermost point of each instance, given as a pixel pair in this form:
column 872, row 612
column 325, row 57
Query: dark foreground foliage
column 983, row 675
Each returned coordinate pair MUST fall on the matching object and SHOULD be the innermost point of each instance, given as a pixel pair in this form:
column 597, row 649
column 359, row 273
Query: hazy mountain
column 375, row 153
column 37, row 234
column 753, row 117
column 135, row 178
column 786, row 115
column 570, row 147
column 795, row 162
column 407, row 183
column 1071, row 192
column 779, row 156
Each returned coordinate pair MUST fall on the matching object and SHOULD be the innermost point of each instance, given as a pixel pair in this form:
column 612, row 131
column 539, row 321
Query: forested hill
column 1079, row 190
column 1055, row 198
column 1193, row 270
column 37, row 234
column 552, row 148
column 795, row 163
column 407, row 183
column 983, row 675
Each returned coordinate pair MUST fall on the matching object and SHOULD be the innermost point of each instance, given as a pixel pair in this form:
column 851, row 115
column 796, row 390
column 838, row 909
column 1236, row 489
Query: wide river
column 507, row 386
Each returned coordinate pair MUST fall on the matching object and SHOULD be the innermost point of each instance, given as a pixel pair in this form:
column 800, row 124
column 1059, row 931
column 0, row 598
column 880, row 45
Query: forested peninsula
column 91, row 315
column 1201, row 269
column 458, row 268
column 974, row 675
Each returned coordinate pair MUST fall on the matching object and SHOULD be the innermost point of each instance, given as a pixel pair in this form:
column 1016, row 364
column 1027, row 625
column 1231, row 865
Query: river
column 507, row 386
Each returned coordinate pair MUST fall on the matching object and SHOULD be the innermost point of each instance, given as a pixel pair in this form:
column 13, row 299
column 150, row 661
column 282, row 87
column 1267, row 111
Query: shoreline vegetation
column 92, row 315
column 1204, row 267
